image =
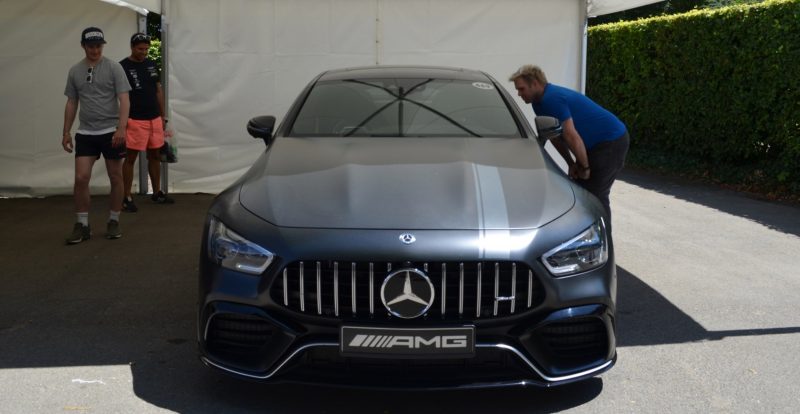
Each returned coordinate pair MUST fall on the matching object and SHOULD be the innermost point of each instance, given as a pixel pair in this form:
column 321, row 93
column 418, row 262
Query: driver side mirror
column 547, row 128
column 261, row 127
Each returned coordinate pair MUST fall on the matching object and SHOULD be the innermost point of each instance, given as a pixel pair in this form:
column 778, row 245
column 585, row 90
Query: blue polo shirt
column 594, row 123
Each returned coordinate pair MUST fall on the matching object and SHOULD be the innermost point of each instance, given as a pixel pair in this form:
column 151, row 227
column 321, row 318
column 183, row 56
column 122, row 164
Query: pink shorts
column 143, row 134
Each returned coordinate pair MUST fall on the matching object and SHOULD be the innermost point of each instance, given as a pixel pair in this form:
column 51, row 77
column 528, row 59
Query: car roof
column 406, row 72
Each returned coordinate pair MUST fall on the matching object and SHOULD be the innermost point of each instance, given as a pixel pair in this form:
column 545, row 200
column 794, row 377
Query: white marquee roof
column 594, row 7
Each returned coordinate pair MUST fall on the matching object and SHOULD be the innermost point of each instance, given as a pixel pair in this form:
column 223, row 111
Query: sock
column 83, row 218
column 114, row 216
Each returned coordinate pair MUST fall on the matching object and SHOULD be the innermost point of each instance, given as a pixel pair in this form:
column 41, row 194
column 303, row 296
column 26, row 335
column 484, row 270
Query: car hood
column 406, row 183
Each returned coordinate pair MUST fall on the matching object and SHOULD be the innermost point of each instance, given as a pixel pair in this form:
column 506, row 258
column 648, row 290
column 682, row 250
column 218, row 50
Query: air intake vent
column 234, row 331
column 583, row 339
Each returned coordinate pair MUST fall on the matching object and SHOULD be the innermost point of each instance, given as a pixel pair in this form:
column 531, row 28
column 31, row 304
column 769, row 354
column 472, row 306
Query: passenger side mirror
column 547, row 128
column 261, row 127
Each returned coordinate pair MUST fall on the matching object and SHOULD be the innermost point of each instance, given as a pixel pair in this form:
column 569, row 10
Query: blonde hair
column 529, row 73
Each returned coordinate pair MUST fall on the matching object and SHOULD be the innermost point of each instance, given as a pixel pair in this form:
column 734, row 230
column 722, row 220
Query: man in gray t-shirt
column 98, row 86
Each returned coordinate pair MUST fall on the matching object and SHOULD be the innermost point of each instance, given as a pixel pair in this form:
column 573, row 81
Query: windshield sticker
column 482, row 85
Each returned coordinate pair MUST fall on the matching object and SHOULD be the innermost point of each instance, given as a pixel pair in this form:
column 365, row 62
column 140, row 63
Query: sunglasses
column 90, row 75
column 140, row 38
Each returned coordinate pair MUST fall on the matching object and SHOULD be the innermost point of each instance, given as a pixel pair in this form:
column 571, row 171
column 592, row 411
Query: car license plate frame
column 382, row 342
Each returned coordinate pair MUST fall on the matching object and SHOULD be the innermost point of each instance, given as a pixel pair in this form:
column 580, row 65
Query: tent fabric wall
column 39, row 41
column 234, row 59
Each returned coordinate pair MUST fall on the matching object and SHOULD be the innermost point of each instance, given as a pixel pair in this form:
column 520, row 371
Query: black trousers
column 606, row 160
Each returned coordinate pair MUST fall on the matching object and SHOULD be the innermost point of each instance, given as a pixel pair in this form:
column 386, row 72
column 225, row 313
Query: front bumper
column 565, row 346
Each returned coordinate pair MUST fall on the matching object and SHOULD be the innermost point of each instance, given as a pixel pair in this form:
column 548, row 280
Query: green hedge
column 714, row 93
column 154, row 53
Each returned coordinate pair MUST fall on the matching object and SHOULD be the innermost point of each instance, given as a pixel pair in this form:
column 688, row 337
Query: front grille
column 464, row 290
column 237, row 333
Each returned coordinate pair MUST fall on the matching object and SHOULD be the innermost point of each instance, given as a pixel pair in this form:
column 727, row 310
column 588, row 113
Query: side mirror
column 547, row 128
column 261, row 127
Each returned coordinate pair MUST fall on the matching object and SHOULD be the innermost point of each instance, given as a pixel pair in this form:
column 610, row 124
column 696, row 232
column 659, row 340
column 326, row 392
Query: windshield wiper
column 400, row 97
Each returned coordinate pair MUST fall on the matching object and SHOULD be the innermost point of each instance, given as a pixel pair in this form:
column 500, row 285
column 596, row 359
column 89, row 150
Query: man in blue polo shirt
column 594, row 142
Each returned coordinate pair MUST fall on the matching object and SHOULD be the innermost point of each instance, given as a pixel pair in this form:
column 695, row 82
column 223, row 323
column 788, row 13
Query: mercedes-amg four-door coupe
column 404, row 227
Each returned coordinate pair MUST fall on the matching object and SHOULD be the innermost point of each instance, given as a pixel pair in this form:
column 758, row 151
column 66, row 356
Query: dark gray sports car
column 405, row 228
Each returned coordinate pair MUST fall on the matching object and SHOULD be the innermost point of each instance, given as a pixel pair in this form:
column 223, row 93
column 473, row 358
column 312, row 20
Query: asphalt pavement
column 708, row 315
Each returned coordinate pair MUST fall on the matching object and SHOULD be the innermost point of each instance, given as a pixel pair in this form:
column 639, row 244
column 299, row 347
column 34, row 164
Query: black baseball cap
column 92, row 35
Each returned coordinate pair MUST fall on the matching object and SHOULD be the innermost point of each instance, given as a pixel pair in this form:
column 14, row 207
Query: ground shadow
column 640, row 308
column 783, row 217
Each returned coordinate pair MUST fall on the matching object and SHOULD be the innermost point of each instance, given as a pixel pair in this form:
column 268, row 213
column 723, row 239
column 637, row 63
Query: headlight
column 587, row 251
column 234, row 252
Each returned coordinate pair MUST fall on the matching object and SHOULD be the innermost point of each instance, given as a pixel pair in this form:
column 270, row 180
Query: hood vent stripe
column 492, row 209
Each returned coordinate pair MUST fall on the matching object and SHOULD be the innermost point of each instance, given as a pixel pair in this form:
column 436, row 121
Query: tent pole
column 143, row 183
column 165, row 84
column 584, row 45
column 378, row 33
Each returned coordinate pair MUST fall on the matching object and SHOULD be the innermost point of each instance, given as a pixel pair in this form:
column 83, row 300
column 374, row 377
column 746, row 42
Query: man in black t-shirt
column 146, row 123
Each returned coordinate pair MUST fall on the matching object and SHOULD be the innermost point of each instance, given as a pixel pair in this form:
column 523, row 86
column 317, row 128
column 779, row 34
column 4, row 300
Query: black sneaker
column 79, row 234
column 161, row 198
column 112, row 230
column 129, row 205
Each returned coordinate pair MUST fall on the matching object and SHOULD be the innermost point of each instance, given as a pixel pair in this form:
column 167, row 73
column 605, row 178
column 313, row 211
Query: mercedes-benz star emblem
column 407, row 238
column 407, row 293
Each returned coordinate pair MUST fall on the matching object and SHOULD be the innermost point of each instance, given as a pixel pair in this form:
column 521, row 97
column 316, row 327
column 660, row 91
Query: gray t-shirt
column 97, row 96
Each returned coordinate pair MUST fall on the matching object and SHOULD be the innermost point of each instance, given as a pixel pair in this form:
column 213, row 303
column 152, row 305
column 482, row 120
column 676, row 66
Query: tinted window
column 404, row 107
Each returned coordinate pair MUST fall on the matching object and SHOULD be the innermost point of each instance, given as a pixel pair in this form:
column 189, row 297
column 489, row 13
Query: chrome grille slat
column 285, row 287
column 444, row 288
column 530, row 287
column 513, row 286
column 353, row 284
column 302, row 290
column 371, row 289
column 460, row 289
column 336, row 289
column 468, row 296
column 319, row 289
column 480, row 283
column 496, row 286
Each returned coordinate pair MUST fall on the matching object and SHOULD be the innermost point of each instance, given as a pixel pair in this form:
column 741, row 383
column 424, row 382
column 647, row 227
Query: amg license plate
column 456, row 342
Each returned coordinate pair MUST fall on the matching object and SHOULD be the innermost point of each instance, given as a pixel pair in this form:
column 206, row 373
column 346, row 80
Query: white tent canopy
column 594, row 7
column 233, row 59
column 600, row 7
column 140, row 6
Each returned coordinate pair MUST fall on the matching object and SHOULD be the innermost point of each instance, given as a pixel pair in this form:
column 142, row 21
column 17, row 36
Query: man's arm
column 562, row 149
column 70, row 110
column 573, row 140
column 122, row 127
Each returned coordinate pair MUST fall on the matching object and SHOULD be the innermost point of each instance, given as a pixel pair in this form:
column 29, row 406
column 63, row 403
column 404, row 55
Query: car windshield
column 404, row 108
